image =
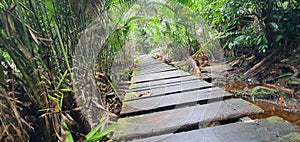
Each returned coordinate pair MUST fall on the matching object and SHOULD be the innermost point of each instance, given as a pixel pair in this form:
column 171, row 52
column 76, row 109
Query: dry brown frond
column 13, row 127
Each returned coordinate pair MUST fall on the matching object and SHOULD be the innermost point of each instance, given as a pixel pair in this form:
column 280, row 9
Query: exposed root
column 259, row 67
column 283, row 89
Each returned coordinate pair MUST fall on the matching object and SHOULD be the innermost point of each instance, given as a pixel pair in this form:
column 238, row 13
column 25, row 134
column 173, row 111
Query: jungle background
column 260, row 40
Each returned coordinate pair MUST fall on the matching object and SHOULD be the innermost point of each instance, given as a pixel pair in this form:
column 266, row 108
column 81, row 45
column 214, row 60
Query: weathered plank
column 158, row 76
column 178, row 84
column 154, row 70
column 149, row 65
column 152, row 65
column 144, row 58
column 171, row 120
column 173, row 100
column 166, row 90
column 272, row 129
column 163, row 82
column 148, row 61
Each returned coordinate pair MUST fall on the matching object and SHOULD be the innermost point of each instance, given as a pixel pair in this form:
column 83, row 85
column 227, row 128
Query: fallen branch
column 257, row 68
column 283, row 89
column 295, row 70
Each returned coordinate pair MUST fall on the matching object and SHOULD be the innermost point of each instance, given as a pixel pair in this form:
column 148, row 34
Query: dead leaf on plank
column 138, row 94
column 148, row 93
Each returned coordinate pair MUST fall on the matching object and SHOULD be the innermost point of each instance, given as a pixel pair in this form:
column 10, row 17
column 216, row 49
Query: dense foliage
column 263, row 26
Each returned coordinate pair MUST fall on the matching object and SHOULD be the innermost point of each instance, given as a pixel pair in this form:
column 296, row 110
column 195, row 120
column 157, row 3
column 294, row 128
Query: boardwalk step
column 143, row 66
column 150, row 64
column 163, row 82
column 175, row 100
column 153, row 68
column 157, row 70
column 169, row 90
column 172, row 120
column 159, row 76
column 178, row 84
column 272, row 129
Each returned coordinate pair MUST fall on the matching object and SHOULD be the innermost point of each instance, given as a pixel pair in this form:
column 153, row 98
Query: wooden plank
column 154, row 70
column 272, row 129
column 150, row 65
column 171, row 120
column 172, row 100
column 178, row 83
column 162, row 82
column 142, row 66
column 157, row 76
column 144, row 57
column 166, row 90
column 148, row 61
column 146, row 72
column 153, row 67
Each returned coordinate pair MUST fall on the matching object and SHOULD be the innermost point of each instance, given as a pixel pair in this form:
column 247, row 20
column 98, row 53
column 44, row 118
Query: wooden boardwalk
column 165, row 104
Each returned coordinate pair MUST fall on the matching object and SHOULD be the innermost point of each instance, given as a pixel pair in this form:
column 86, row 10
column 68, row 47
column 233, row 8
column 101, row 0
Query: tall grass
column 37, row 40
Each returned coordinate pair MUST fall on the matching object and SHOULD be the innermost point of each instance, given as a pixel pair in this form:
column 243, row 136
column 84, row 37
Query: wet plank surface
column 147, row 65
column 171, row 120
column 152, row 66
column 173, row 100
column 273, row 129
column 163, row 82
column 156, row 70
column 159, row 76
column 169, row 84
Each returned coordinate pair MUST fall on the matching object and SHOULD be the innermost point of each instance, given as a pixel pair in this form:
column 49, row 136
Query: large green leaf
column 103, row 133
column 69, row 137
column 273, row 25
column 95, row 130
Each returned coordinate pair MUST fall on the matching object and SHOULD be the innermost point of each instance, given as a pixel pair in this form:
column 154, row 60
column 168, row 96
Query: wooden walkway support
column 166, row 104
